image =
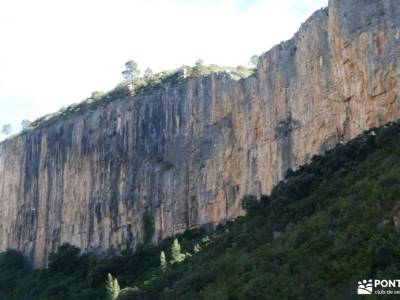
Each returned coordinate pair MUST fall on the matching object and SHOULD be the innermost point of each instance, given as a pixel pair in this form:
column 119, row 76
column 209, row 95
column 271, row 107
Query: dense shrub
column 148, row 226
column 12, row 259
column 250, row 203
column 131, row 294
column 65, row 259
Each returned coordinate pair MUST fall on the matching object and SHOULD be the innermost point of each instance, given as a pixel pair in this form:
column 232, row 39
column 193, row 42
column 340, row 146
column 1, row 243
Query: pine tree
column 254, row 61
column 196, row 248
column 148, row 73
column 177, row 256
column 163, row 261
column 131, row 71
column 6, row 129
column 112, row 288
column 176, row 250
column 25, row 124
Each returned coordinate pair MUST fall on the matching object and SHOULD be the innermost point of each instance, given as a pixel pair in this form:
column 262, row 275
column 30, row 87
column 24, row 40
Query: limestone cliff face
column 188, row 152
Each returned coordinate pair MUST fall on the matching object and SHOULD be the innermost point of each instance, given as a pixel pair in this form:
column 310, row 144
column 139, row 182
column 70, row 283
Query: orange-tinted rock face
column 189, row 152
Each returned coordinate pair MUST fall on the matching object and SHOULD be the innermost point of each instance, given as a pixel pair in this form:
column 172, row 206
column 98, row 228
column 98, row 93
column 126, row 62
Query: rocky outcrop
column 188, row 152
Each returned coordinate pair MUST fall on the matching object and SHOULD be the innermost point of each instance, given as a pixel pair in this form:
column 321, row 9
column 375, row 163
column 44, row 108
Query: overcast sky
column 56, row 52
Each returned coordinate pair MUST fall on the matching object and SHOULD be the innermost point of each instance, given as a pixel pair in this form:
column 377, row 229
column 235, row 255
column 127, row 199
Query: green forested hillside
column 329, row 225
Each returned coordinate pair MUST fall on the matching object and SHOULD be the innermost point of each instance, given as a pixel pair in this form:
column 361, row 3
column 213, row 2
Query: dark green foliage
column 12, row 267
column 12, row 259
column 131, row 294
column 387, row 134
column 192, row 283
column 328, row 225
column 250, row 203
column 97, row 276
column 148, row 226
column 66, row 259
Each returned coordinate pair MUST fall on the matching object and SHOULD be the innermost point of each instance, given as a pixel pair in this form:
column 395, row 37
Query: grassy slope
column 328, row 226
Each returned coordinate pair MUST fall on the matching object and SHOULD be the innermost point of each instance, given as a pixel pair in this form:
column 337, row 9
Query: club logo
column 365, row 287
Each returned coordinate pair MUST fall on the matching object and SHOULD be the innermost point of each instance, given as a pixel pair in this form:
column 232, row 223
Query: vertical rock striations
column 188, row 152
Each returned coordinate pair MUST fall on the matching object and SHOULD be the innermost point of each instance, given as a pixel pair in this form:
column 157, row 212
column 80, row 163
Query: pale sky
column 56, row 52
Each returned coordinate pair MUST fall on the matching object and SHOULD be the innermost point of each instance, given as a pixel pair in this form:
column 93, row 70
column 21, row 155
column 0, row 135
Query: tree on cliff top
column 253, row 61
column 25, row 124
column 6, row 129
column 199, row 68
column 148, row 74
column 131, row 71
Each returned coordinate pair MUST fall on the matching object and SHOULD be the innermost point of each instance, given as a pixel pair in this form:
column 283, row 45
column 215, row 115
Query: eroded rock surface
column 188, row 152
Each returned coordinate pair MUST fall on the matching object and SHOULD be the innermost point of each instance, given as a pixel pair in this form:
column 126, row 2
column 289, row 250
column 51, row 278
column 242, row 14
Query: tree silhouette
column 6, row 129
